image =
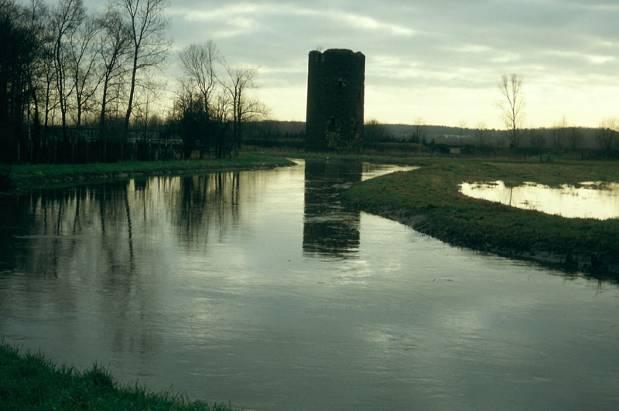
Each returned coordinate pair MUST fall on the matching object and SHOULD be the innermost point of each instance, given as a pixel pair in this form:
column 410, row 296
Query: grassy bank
column 367, row 156
column 25, row 177
column 31, row 382
column 428, row 200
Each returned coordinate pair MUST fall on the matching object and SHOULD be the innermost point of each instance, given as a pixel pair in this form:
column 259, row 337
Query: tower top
column 334, row 52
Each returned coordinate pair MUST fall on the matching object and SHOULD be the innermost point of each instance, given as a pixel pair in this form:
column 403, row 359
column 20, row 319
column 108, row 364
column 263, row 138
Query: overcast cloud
column 433, row 60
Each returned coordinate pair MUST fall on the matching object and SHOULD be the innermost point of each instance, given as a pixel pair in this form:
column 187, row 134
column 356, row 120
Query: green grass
column 25, row 177
column 31, row 382
column 428, row 199
column 370, row 157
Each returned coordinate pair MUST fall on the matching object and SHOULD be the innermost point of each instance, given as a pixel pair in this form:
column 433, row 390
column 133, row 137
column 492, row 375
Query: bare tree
column 83, row 59
column 50, row 102
column 199, row 66
column 512, row 104
column 607, row 134
column 374, row 131
column 114, row 49
column 480, row 132
column 16, row 61
column 575, row 138
column 36, row 16
column 559, row 132
column 419, row 135
column 66, row 18
column 144, row 111
column 537, row 139
column 55, row 60
column 146, row 29
column 242, row 107
column 43, row 75
column 35, row 25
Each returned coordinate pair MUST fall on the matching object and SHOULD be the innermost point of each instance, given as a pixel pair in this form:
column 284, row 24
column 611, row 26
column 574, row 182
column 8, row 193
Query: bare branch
column 147, row 26
column 513, row 103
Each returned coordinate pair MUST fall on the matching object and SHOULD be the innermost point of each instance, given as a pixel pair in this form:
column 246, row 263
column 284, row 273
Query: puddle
column 592, row 200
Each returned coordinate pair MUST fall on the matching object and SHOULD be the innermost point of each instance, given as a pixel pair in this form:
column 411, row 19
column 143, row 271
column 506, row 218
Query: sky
column 428, row 61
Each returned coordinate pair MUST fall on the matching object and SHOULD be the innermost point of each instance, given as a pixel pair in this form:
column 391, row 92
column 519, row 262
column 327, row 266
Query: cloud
column 368, row 23
column 250, row 13
column 443, row 55
column 592, row 59
column 470, row 48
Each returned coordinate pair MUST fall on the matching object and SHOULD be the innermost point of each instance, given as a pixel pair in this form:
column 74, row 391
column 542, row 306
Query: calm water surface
column 592, row 200
column 259, row 288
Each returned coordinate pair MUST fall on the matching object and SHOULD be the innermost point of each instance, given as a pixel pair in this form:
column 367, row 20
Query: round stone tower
column 335, row 100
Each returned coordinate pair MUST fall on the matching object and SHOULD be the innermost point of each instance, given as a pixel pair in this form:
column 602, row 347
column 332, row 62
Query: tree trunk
column 131, row 91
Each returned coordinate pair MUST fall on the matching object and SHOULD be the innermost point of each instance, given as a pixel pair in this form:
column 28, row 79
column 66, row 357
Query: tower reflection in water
column 330, row 230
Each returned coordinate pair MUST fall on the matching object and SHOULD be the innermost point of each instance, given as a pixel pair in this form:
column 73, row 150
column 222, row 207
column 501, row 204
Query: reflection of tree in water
column 108, row 250
column 202, row 206
column 329, row 229
column 76, row 238
column 14, row 213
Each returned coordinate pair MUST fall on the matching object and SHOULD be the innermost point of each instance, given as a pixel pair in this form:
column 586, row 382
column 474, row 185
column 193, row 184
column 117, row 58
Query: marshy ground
column 430, row 201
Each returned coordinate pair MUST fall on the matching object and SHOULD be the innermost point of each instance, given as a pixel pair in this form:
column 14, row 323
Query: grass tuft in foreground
column 31, row 382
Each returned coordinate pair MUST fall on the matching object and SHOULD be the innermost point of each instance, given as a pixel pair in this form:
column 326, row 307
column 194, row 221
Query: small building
column 335, row 100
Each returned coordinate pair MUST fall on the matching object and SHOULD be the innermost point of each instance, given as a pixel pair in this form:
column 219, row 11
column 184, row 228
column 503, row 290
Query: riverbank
column 396, row 158
column 28, row 177
column 428, row 200
column 31, row 382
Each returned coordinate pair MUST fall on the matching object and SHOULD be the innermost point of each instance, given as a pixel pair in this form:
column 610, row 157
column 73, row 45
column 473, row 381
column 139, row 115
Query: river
column 259, row 288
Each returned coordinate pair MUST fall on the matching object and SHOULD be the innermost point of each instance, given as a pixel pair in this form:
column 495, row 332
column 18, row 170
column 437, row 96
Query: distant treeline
column 427, row 138
column 78, row 86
